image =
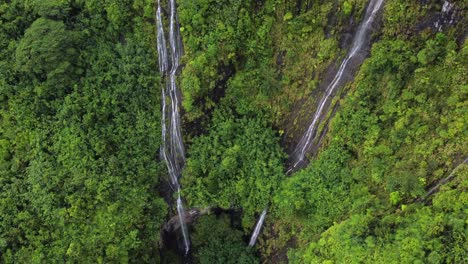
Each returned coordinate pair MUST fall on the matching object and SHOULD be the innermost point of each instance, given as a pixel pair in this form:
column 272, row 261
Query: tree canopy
column 239, row 164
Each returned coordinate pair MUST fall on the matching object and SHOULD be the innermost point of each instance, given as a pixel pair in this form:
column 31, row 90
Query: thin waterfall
column 172, row 147
column 443, row 181
column 360, row 42
column 257, row 229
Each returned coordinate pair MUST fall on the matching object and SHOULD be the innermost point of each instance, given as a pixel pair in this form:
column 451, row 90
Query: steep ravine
column 356, row 55
column 330, row 87
column 447, row 18
column 357, row 52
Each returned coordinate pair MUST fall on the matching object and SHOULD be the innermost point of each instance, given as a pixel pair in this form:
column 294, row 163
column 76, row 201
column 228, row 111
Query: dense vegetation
column 356, row 202
column 79, row 117
column 80, row 177
column 225, row 243
column 237, row 165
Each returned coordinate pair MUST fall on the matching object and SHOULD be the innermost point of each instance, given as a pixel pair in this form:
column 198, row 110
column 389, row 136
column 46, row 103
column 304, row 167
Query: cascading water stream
column 172, row 150
column 257, row 229
column 361, row 39
column 360, row 42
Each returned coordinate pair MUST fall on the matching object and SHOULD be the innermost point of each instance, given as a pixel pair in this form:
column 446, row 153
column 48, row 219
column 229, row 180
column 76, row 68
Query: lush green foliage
column 79, row 122
column 412, row 233
column 222, row 37
column 239, row 164
column 216, row 241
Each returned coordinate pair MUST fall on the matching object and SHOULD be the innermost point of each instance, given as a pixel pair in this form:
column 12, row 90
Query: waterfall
column 360, row 42
column 172, row 147
column 257, row 229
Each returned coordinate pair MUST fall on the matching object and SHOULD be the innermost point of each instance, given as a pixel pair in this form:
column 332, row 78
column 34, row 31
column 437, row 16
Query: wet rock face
column 446, row 17
column 190, row 216
column 172, row 237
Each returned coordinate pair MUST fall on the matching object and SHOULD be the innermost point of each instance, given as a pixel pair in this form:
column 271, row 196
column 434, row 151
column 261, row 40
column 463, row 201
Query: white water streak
column 361, row 37
column 172, row 150
column 258, row 227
